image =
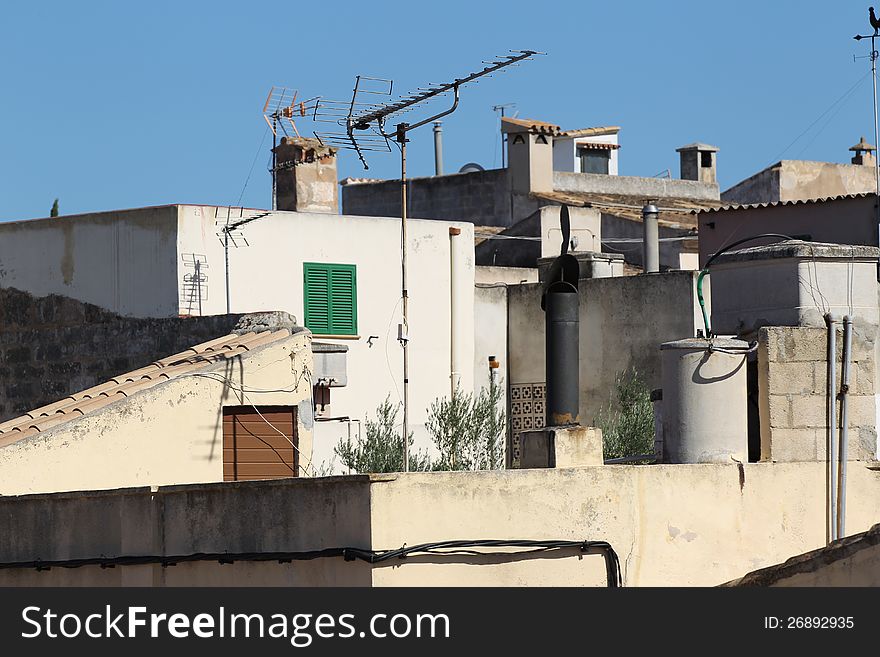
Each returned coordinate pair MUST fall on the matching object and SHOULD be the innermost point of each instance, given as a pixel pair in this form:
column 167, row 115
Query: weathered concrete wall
column 481, row 197
column 598, row 183
column 123, row 261
column 511, row 275
column 171, row 433
column 623, row 321
column 792, row 394
column 763, row 187
column 53, row 346
column 841, row 221
column 174, row 521
column 791, row 180
column 671, row 525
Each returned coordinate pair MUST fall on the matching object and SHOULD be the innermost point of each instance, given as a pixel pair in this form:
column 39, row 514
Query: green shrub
column 468, row 429
column 627, row 420
column 382, row 450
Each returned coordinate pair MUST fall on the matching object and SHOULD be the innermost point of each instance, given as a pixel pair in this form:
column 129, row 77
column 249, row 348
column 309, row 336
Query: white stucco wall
column 123, row 261
column 585, row 227
column 268, row 275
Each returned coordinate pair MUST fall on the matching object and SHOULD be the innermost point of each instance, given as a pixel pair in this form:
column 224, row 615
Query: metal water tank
column 705, row 400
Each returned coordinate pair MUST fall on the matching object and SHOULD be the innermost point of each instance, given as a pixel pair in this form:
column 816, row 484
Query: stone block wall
column 792, row 380
column 479, row 197
column 53, row 346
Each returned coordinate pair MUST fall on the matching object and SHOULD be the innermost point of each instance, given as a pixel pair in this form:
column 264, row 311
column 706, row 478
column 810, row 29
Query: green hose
column 703, row 272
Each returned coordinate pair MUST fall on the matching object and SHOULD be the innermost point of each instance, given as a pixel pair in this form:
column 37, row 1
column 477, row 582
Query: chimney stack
column 863, row 153
column 305, row 176
column 438, row 148
column 651, row 241
column 698, row 162
column 529, row 154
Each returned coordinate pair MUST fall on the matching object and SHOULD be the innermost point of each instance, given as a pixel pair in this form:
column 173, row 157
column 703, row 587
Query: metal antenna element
column 362, row 125
column 279, row 111
column 229, row 232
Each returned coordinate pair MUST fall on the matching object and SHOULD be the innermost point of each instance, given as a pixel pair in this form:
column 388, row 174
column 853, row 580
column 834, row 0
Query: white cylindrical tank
column 705, row 403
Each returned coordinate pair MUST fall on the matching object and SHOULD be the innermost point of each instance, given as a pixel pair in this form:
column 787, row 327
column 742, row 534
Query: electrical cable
column 705, row 270
column 387, row 358
column 819, row 118
column 248, row 179
column 454, row 547
column 216, row 376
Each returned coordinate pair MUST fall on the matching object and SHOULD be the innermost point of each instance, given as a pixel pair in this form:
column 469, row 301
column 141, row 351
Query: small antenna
column 502, row 108
column 194, row 289
column 279, row 111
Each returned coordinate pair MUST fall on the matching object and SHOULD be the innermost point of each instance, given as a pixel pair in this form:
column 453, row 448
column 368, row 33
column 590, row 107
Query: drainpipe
column 438, row 148
column 844, row 426
column 651, row 241
column 831, row 524
column 453, row 231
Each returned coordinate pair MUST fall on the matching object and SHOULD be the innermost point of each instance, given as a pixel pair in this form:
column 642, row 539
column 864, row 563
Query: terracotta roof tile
column 119, row 387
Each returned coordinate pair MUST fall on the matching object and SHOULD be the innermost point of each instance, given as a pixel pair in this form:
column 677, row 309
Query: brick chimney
column 306, row 176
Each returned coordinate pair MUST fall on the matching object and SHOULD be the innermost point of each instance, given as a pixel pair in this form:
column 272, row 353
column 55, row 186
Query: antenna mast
column 278, row 111
column 364, row 130
column 873, row 37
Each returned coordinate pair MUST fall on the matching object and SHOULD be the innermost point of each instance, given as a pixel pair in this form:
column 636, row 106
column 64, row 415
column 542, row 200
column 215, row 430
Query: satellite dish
column 471, row 167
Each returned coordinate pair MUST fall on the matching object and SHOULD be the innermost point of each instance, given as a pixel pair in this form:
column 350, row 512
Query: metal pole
column 651, row 241
column 199, row 283
column 831, row 479
column 503, row 144
column 876, row 152
column 438, row 148
column 274, row 167
column 226, row 258
column 401, row 139
column 844, row 426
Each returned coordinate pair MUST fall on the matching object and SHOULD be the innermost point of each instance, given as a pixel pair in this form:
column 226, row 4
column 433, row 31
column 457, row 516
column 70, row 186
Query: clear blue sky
column 119, row 104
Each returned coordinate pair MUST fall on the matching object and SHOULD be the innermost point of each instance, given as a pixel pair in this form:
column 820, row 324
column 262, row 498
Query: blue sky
column 119, row 104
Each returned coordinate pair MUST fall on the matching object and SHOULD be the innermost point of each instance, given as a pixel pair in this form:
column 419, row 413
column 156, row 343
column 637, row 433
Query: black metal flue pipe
column 562, row 360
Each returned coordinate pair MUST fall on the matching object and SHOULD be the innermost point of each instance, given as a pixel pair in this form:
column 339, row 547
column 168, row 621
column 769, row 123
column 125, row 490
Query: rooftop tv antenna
column 362, row 128
column 279, row 111
column 875, row 23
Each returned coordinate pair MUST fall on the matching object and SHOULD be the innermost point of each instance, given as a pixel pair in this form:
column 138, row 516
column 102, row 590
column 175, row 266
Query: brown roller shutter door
column 253, row 449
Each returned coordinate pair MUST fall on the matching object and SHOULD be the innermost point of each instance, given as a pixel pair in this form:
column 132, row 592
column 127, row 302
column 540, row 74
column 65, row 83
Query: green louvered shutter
column 330, row 298
column 343, row 300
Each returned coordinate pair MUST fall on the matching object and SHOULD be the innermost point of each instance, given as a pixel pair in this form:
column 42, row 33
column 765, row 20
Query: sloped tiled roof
column 674, row 212
column 724, row 207
column 591, row 132
column 510, row 124
column 82, row 403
